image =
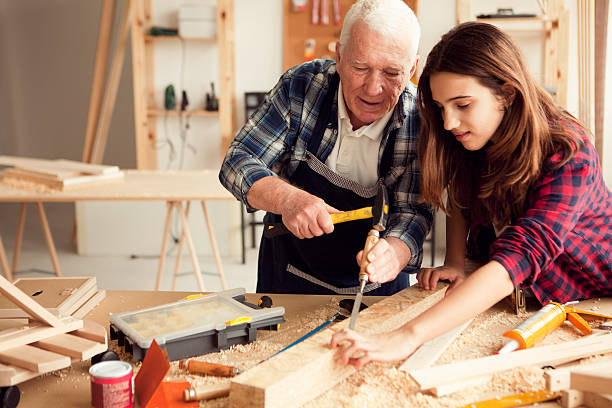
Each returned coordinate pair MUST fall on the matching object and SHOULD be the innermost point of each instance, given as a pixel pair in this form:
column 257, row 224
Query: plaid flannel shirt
column 283, row 125
column 562, row 246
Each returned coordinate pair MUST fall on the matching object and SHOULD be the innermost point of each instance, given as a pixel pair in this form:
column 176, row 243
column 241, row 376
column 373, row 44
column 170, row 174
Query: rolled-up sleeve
column 259, row 144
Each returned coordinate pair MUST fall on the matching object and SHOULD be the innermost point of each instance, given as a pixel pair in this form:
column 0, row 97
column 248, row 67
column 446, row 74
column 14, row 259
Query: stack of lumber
column 42, row 342
column 60, row 174
column 61, row 296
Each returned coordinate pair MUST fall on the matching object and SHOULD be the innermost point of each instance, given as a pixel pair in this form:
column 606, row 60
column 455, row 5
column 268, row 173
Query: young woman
column 524, row 189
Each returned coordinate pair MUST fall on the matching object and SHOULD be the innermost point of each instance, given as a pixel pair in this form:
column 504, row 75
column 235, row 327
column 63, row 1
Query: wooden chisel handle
column 206, row 392
column 206, row 368
column 371, row 240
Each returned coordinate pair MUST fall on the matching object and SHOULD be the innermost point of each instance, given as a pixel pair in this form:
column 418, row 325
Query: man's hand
column 428, row 277
column 387, row 258
column 306, row 215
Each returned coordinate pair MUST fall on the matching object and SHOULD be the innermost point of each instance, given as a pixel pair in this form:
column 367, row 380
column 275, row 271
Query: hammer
column 380, row 213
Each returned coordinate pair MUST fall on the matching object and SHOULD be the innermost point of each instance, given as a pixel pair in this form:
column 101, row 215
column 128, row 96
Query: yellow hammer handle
column 371, row 240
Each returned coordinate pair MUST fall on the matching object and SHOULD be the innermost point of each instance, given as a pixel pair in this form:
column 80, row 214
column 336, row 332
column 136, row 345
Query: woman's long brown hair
column 489, row 185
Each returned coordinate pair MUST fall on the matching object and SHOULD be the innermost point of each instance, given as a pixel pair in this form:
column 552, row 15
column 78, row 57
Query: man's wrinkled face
column 374, row 70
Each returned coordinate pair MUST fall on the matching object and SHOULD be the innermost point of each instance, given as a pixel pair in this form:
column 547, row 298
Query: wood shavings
column 27, row 185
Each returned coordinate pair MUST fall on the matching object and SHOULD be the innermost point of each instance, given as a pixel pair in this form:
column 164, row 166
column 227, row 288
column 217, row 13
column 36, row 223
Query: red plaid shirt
column 562, row 247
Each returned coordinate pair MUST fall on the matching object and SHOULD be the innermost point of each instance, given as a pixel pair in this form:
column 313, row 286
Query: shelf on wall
column 177, row 37
column 162, row 112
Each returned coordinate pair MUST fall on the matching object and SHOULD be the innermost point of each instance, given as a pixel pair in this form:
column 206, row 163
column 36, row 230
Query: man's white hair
column 387, row 17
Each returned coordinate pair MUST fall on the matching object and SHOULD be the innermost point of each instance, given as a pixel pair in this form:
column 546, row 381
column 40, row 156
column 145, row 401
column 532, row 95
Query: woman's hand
column 428, row 277
column 363, row 348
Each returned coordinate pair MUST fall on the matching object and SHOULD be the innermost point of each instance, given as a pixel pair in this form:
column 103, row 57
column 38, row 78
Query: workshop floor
column 116, row 272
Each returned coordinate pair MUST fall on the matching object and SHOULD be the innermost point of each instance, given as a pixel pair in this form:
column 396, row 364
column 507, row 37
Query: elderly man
column 323, row 140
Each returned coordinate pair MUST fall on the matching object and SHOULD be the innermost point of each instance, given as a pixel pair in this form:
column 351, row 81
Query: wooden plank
column 26, row 303
column 559, row 379
column 59, row 295
column 463, row 370
column 34, row 359
column 92, row 331
column 36, row 331
column 11, row 375
column 99, row 74
column 72, row 346
column 592, row 381
column 310, row 368
column 571, row 398
column 90, row 304
column 429, row 352
column 57, row 165
column 64, row 184
column 227, row 73
column 110, row 93
column 4, row 262
column 594, row 400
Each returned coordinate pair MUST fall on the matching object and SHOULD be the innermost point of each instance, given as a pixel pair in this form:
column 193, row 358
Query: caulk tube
column 545, row 320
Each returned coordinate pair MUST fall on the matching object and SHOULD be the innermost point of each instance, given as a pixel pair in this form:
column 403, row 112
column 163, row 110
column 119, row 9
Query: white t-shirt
column 354, row 156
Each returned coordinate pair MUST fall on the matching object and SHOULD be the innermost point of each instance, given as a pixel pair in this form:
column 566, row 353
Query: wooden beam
column 227, row 81
column 4, row 262
column 34, row 332
column 26, row 303
column 463, row 370
column 559, row 379
column 592, row 381
column 90, row 304
column 310, row 368
column 99, row 74
column 72, row 346
column 110, row 94
column 429, row 352
column 34, row 359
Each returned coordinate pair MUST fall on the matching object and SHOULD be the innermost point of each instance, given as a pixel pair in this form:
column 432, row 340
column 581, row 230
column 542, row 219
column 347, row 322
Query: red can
column 112, row 384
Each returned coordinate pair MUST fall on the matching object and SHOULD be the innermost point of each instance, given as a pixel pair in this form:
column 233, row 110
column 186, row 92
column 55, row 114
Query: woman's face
column 471, row 111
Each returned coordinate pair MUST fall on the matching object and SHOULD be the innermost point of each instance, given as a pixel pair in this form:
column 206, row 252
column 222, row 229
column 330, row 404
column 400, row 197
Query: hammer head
column 380, row 209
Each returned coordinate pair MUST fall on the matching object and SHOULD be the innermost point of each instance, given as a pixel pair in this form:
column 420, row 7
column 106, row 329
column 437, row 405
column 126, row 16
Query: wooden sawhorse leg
column 184, row 235
column 46, row 231
column 213, row 244
column 4, row 262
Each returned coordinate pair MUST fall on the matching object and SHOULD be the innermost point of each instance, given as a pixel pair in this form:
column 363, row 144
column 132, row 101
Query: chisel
column 380, row 213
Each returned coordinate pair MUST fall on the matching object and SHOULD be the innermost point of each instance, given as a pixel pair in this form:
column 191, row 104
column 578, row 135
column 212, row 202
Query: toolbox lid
column 165, row 323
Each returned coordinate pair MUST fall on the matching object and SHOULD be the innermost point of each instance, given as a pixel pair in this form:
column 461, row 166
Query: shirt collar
column 374, row 130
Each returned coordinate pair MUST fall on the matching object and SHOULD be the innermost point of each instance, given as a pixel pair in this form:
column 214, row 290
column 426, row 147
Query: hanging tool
column 206, row 368
column 272, row 230
column 545, row 320
column 380, row 213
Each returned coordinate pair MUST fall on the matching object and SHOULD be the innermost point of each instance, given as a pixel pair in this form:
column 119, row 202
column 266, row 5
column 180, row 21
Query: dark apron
column 325, row 264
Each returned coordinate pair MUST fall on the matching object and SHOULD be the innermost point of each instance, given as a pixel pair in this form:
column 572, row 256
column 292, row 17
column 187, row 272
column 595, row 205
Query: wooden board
column 51, row 353
column 71, row 345
column 66, row 183
column 59, row 295
column 310, row 368
column 90, row 304
column 464, row 370
column 559, row 379
column 36, row 331
column 34, row 359
column 33, row 309
column 57, row 165
column 141, row 185
column 592, row 381
column 429, row 352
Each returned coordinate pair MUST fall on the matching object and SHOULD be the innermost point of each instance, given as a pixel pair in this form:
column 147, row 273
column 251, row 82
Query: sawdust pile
column 382, row 384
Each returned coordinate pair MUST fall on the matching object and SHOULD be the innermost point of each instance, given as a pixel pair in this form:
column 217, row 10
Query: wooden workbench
column 303, row 313
column 174, row 187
